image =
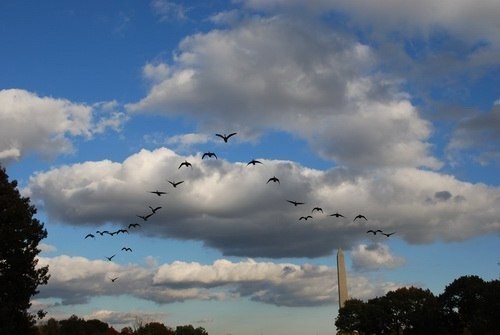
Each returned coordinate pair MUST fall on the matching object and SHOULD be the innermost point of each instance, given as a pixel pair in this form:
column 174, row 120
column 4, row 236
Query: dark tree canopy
column 19, row 274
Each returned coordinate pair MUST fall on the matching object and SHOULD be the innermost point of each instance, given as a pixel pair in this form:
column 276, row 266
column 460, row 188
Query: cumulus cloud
column 46, row 125
column 230, row 207
column 75, row 280
column 126, row 318
column 375, row 256
column 295, row 76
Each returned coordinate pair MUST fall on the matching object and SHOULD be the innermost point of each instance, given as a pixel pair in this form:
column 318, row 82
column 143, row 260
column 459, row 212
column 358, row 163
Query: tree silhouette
column 19, row 274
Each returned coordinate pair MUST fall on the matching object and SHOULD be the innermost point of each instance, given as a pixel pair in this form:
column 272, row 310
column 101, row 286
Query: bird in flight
column 110, row 258
column 273, row 179
column 338, row 215
column 305, row 217
column 154, row 209
column 295, row 203
column 103, row 232
column 89, row 235
column 133, row 225
column 253, row 162
column 113, row 279
column 209, row 154
column 374, row 232
column 127, row 249
column 317, row 209
column 225, row 137
column 186, row 164
column 158, row 193
column 145, row 217
column 175, row 183
column 121, row 231
column 388, row 234
column 359, row 216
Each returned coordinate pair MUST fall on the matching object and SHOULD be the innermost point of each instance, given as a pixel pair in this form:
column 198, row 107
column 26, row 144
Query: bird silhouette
column 225, row 137
column 374, row 232
column 209, row 154
column 127, row 249
column 317, row 209
column 89, row 235
column 121, row 231
column 154, row 209
column 113, row 279
column 338, row 215
column 133, row 225
column 145, row 217
column 359, row 216
column 305, row 217
column 273, row 179
column 158, row 193
column 175, row 183
column 186, row 164
column 253, row 162
column 110, row 258
column 295, row 203
column 388, row 234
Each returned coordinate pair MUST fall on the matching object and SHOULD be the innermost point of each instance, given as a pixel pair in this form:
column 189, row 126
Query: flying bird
column 89, row 235
column 103, row 232
column 295, row 203
column 133, row 225
column 121, row 231
column 359, row 216
column 110, row 258
column 273, row 179
column 113, row 279
column 317, row 209
column 186, row 164
column 175, row 183
column 388, row 234
column 253, row 162
column 374, row 232
column 305, row 217
column 209, row 154
column 338, row 215
column 127, row 249
column 145, row 217
column 225, row 137
column 154, row 209
column 158, row 193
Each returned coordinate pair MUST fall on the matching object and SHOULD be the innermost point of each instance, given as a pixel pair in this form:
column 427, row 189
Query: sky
column 388, row 108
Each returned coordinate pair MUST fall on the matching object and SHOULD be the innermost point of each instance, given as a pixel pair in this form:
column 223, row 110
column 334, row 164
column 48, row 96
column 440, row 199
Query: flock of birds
column 175, row 184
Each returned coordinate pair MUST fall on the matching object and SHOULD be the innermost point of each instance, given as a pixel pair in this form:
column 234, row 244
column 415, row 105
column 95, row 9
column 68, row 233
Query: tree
column 154, row 328
column 19, row 274
column 190, row 330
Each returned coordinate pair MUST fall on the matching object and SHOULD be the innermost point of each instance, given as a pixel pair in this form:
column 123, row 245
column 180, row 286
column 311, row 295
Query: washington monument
column 342, row 278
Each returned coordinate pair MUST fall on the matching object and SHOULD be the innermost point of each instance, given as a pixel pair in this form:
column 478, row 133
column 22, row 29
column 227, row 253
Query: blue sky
column 389, row 109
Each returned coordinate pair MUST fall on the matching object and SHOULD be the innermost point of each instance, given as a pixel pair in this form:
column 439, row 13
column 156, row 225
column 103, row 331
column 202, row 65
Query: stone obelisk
column 342, row 278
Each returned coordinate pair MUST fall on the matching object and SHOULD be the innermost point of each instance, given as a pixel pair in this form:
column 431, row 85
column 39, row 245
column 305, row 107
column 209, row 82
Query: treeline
column 78, row 326
column 469, row 305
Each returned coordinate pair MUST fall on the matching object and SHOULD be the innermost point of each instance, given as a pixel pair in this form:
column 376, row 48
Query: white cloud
column 374, row 256
column 254, row 215
column 46, row 248
column 46, row 125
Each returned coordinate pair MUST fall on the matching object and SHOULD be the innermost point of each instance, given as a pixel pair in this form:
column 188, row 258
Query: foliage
column 190, row 330
column 19, row 274
column 154, row 328
column 469, row 305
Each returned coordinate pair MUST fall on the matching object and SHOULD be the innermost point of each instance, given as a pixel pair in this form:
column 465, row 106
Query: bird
column 388, row 234
column 359, row 216
column 253, row 162
column 145, row 217
column 113, row 279
column 374, row 232
column 295, row 203
column 133, row 225
column 186, row 164
column 209, row 154
column 154, row 209
column 121, row 231
column 89, row 235
column 110, row 258
column 317, row 209
column 102, row 232
column 225, row 137
column 338, row 215
column 175, row 183
column 127, row 249
column 273, row 179
column 158, row 193
column 305, row 217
